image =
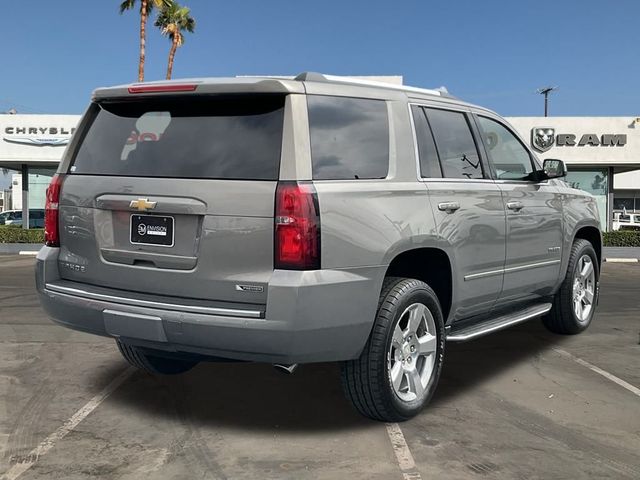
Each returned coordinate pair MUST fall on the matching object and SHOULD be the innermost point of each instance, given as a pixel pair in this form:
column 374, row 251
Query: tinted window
column 458, row 154
column 349, row 138
column 509, row 157
column 429, row 165
column 199, row 137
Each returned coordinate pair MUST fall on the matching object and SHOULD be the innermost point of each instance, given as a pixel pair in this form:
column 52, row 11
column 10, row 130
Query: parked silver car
column 14, row 217
column 310, row 220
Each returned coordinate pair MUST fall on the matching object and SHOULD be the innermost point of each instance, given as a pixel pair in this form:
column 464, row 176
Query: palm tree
column 145, row 9
column 173, row 20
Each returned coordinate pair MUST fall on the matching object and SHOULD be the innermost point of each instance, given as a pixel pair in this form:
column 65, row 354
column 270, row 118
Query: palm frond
column 127, row 5
column 173, row 19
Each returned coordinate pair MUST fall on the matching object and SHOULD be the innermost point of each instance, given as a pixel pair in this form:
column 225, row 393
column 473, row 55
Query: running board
column 470, row 332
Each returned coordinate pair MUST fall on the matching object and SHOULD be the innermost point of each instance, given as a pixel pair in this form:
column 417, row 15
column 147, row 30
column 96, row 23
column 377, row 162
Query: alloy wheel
column 584, row 282
column 411, row 357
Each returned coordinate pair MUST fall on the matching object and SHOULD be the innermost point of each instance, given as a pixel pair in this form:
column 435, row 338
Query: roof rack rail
column 319, row 77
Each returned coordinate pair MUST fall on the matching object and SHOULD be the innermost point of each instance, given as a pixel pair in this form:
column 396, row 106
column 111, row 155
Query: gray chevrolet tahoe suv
column 307, row 220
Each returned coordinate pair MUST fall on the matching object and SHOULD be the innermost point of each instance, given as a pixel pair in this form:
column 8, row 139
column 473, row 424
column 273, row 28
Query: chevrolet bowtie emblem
column 142, row 204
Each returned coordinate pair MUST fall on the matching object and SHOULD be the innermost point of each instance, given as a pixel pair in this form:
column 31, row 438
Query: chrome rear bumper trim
column 225, row 312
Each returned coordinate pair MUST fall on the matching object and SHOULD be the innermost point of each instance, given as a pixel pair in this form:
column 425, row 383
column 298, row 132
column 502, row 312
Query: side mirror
column 553, row 168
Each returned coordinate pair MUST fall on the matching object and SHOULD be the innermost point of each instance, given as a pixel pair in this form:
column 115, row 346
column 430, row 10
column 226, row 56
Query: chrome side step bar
column 470, row 332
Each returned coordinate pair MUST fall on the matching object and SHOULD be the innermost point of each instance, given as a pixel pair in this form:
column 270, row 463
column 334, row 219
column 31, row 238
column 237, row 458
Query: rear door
column 467, row 206
column 533, row 212
column 175, row 197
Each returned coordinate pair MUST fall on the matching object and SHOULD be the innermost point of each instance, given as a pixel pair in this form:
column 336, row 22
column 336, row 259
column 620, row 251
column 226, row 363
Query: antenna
column 546, row 91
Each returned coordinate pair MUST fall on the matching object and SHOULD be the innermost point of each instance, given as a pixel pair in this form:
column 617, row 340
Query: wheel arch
column 430, row 265
column 592, row 235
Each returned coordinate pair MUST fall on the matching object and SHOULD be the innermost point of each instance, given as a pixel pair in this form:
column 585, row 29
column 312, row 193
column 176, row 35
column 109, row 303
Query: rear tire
column 574, row 303
column 398, row 370
column 157, row 365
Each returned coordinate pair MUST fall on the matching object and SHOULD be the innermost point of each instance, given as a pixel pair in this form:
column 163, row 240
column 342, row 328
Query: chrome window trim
column 517, row 268
column 77, row 292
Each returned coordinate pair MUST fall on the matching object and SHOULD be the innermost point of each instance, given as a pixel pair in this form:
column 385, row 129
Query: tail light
column 297, row 227
column 51, row 223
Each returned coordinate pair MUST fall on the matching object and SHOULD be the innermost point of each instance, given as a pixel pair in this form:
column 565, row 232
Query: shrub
column 621, row 238
column 16, row 234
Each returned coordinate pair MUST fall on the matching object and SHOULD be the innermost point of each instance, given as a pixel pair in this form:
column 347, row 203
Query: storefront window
column 39, row 179
column 596, row 182
column 623, row 203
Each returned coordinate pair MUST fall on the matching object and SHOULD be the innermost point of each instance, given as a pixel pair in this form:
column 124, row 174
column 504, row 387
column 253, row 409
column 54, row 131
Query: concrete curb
column 18, row 248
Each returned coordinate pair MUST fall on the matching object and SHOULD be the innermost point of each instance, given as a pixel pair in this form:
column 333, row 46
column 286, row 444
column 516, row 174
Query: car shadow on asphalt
column 469, row 365
column 251, row 396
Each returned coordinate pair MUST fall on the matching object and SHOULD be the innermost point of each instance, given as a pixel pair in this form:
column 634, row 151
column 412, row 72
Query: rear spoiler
column 200, row 87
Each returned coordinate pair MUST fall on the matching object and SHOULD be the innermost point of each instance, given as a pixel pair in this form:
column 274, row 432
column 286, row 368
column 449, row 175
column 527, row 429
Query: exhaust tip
column 284, row 368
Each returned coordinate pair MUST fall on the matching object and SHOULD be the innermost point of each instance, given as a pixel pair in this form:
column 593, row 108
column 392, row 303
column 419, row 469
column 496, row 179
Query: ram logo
column 543, row 138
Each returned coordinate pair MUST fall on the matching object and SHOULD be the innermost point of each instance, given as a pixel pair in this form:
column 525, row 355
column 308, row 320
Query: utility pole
column 546, row 91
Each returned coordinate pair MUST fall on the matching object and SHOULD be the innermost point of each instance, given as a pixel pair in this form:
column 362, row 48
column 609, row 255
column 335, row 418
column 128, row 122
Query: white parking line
column 27, row 252
column 403, row 454
column 633, row 389
column 68, row 426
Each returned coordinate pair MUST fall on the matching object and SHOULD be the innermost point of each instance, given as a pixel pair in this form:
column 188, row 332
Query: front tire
column 398, row 370
column 574, row 304
column 155, row 364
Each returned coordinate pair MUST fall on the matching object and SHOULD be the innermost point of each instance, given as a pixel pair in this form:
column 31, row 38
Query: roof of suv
column 266, row 84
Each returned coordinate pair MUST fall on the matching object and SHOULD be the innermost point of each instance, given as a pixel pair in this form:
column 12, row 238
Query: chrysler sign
column 543, row 138
column 38, row 135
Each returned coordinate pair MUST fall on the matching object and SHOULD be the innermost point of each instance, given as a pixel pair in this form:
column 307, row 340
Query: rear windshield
column 201, row 137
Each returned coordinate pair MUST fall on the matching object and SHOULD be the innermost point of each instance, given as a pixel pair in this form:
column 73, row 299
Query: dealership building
column 601, row 154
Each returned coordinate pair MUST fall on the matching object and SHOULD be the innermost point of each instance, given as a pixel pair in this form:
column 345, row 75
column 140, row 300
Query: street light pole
column 546, row 91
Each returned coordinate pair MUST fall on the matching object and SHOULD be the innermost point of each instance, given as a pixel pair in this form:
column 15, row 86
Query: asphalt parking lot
column 520, row 404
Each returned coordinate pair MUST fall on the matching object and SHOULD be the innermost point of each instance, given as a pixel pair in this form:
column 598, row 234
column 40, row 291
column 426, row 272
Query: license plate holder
column 153, row 230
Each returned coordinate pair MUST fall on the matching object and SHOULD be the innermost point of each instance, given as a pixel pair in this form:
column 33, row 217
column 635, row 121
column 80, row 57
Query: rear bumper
column 312, row 316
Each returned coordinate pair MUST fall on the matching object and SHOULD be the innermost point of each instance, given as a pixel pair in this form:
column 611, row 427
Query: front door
column 533, row 212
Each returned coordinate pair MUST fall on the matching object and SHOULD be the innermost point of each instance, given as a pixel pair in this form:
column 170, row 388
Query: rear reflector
column 297, row 227
column 163, row 88
column 51, row 217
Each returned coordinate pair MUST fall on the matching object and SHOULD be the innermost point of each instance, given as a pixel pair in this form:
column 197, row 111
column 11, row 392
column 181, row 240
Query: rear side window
column 458, row 153
column 196, row 137
column 429, row 164
column 349, row 138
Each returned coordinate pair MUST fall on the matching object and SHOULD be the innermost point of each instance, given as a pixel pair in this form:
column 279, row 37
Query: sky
column 495, row 53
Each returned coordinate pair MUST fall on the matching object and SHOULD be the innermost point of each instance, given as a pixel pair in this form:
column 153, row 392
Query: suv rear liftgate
column 200, row 175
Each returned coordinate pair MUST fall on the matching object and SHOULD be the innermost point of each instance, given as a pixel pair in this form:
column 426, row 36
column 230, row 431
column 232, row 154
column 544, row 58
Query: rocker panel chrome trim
column 518, row 268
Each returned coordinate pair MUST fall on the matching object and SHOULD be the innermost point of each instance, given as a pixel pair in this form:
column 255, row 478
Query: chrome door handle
column 449, row 207
column 517, row 206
